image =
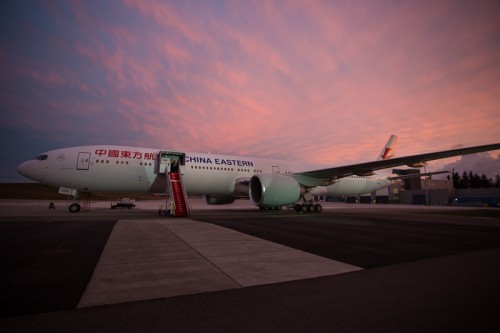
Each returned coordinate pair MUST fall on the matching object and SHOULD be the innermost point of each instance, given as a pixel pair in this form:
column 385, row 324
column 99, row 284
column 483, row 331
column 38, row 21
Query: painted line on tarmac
column 150, row 259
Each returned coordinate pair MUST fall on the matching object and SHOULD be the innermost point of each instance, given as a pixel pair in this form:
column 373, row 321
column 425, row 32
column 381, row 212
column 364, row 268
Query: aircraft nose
column 28, row 170
column 22, row 169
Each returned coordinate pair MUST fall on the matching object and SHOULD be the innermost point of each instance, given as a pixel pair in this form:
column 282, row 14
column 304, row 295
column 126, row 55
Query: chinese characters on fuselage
column 136, row 155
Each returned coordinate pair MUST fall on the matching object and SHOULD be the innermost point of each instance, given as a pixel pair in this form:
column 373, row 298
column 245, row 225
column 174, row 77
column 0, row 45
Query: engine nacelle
column 273, row 190
column 218, row 199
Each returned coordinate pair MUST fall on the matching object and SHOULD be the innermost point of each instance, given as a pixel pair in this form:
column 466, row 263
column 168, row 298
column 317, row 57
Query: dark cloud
column 482, row 163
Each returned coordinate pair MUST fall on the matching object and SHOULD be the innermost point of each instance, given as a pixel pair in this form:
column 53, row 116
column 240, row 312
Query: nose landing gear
column 74, row 207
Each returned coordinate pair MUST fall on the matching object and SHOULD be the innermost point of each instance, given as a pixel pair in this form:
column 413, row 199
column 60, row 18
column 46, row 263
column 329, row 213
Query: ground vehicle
column 123, row 203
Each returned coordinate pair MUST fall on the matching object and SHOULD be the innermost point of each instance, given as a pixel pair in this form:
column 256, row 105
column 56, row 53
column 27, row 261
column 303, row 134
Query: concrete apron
column 149, row 259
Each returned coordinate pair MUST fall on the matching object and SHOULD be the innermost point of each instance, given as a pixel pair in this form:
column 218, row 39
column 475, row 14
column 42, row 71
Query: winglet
column 389, row 150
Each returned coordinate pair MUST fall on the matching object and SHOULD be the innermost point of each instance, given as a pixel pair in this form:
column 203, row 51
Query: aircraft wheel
column 74, row 208
column 297, row 208
column 305, row 208
column 310, row 208
column 318, row 208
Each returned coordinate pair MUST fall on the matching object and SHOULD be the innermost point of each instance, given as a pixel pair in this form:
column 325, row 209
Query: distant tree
column 475, row 180
column 472, row 181
column 485, row 181
column 464, row 181
column 456, row 180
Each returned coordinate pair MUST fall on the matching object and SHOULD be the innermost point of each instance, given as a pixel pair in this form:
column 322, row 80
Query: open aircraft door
column 83, row 161
column 165, row 158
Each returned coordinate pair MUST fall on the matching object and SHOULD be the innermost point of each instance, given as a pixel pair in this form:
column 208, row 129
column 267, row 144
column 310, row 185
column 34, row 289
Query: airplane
column 221, row 179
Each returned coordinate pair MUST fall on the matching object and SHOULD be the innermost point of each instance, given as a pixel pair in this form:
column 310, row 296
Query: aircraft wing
column 368, row 168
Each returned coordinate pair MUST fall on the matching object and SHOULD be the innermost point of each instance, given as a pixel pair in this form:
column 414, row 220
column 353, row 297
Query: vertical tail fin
column 389, row 150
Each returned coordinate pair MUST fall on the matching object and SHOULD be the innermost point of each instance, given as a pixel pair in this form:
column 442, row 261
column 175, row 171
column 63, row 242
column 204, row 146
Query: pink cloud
column 175, row 52
column 247, row 97
column 167, row 16
column 322, row 81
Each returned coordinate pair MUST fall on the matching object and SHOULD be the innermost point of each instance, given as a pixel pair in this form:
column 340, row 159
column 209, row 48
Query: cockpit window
column 41, row 157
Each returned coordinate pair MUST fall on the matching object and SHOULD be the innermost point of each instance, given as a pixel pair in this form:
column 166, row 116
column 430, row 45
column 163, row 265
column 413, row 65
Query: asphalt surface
column 46, row 266
column 365, row 241
column 425, row 272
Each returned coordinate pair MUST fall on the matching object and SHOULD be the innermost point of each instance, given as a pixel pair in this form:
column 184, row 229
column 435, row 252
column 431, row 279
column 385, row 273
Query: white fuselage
column 104, row 168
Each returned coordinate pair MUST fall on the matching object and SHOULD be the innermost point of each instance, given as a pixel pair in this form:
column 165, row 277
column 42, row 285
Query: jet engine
column 273, row 190
column 218, row 199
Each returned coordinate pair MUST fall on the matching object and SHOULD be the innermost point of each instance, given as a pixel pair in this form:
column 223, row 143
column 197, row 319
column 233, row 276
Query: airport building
column 476, row 197
column 428, row 191
column 433, row 192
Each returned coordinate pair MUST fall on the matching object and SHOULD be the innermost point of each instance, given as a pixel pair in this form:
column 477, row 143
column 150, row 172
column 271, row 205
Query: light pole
column 426, row 187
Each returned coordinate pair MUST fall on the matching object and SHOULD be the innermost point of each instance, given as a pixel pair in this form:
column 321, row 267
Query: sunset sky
column 322, row 81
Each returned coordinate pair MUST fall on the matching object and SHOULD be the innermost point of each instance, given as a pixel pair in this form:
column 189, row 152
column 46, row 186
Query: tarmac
column 349, row 269
column 150, row 259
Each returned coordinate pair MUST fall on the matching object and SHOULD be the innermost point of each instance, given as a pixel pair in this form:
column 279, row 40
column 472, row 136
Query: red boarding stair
column 178, row 194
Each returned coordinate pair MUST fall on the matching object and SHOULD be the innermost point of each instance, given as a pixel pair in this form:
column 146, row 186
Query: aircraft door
column 163, row 163
column 276, row 169
column 165, row 158
column 83, row 161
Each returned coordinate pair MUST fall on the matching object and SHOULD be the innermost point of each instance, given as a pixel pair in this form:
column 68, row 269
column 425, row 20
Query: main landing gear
column 308, row 208
column 271, row 208
column 307, row 205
